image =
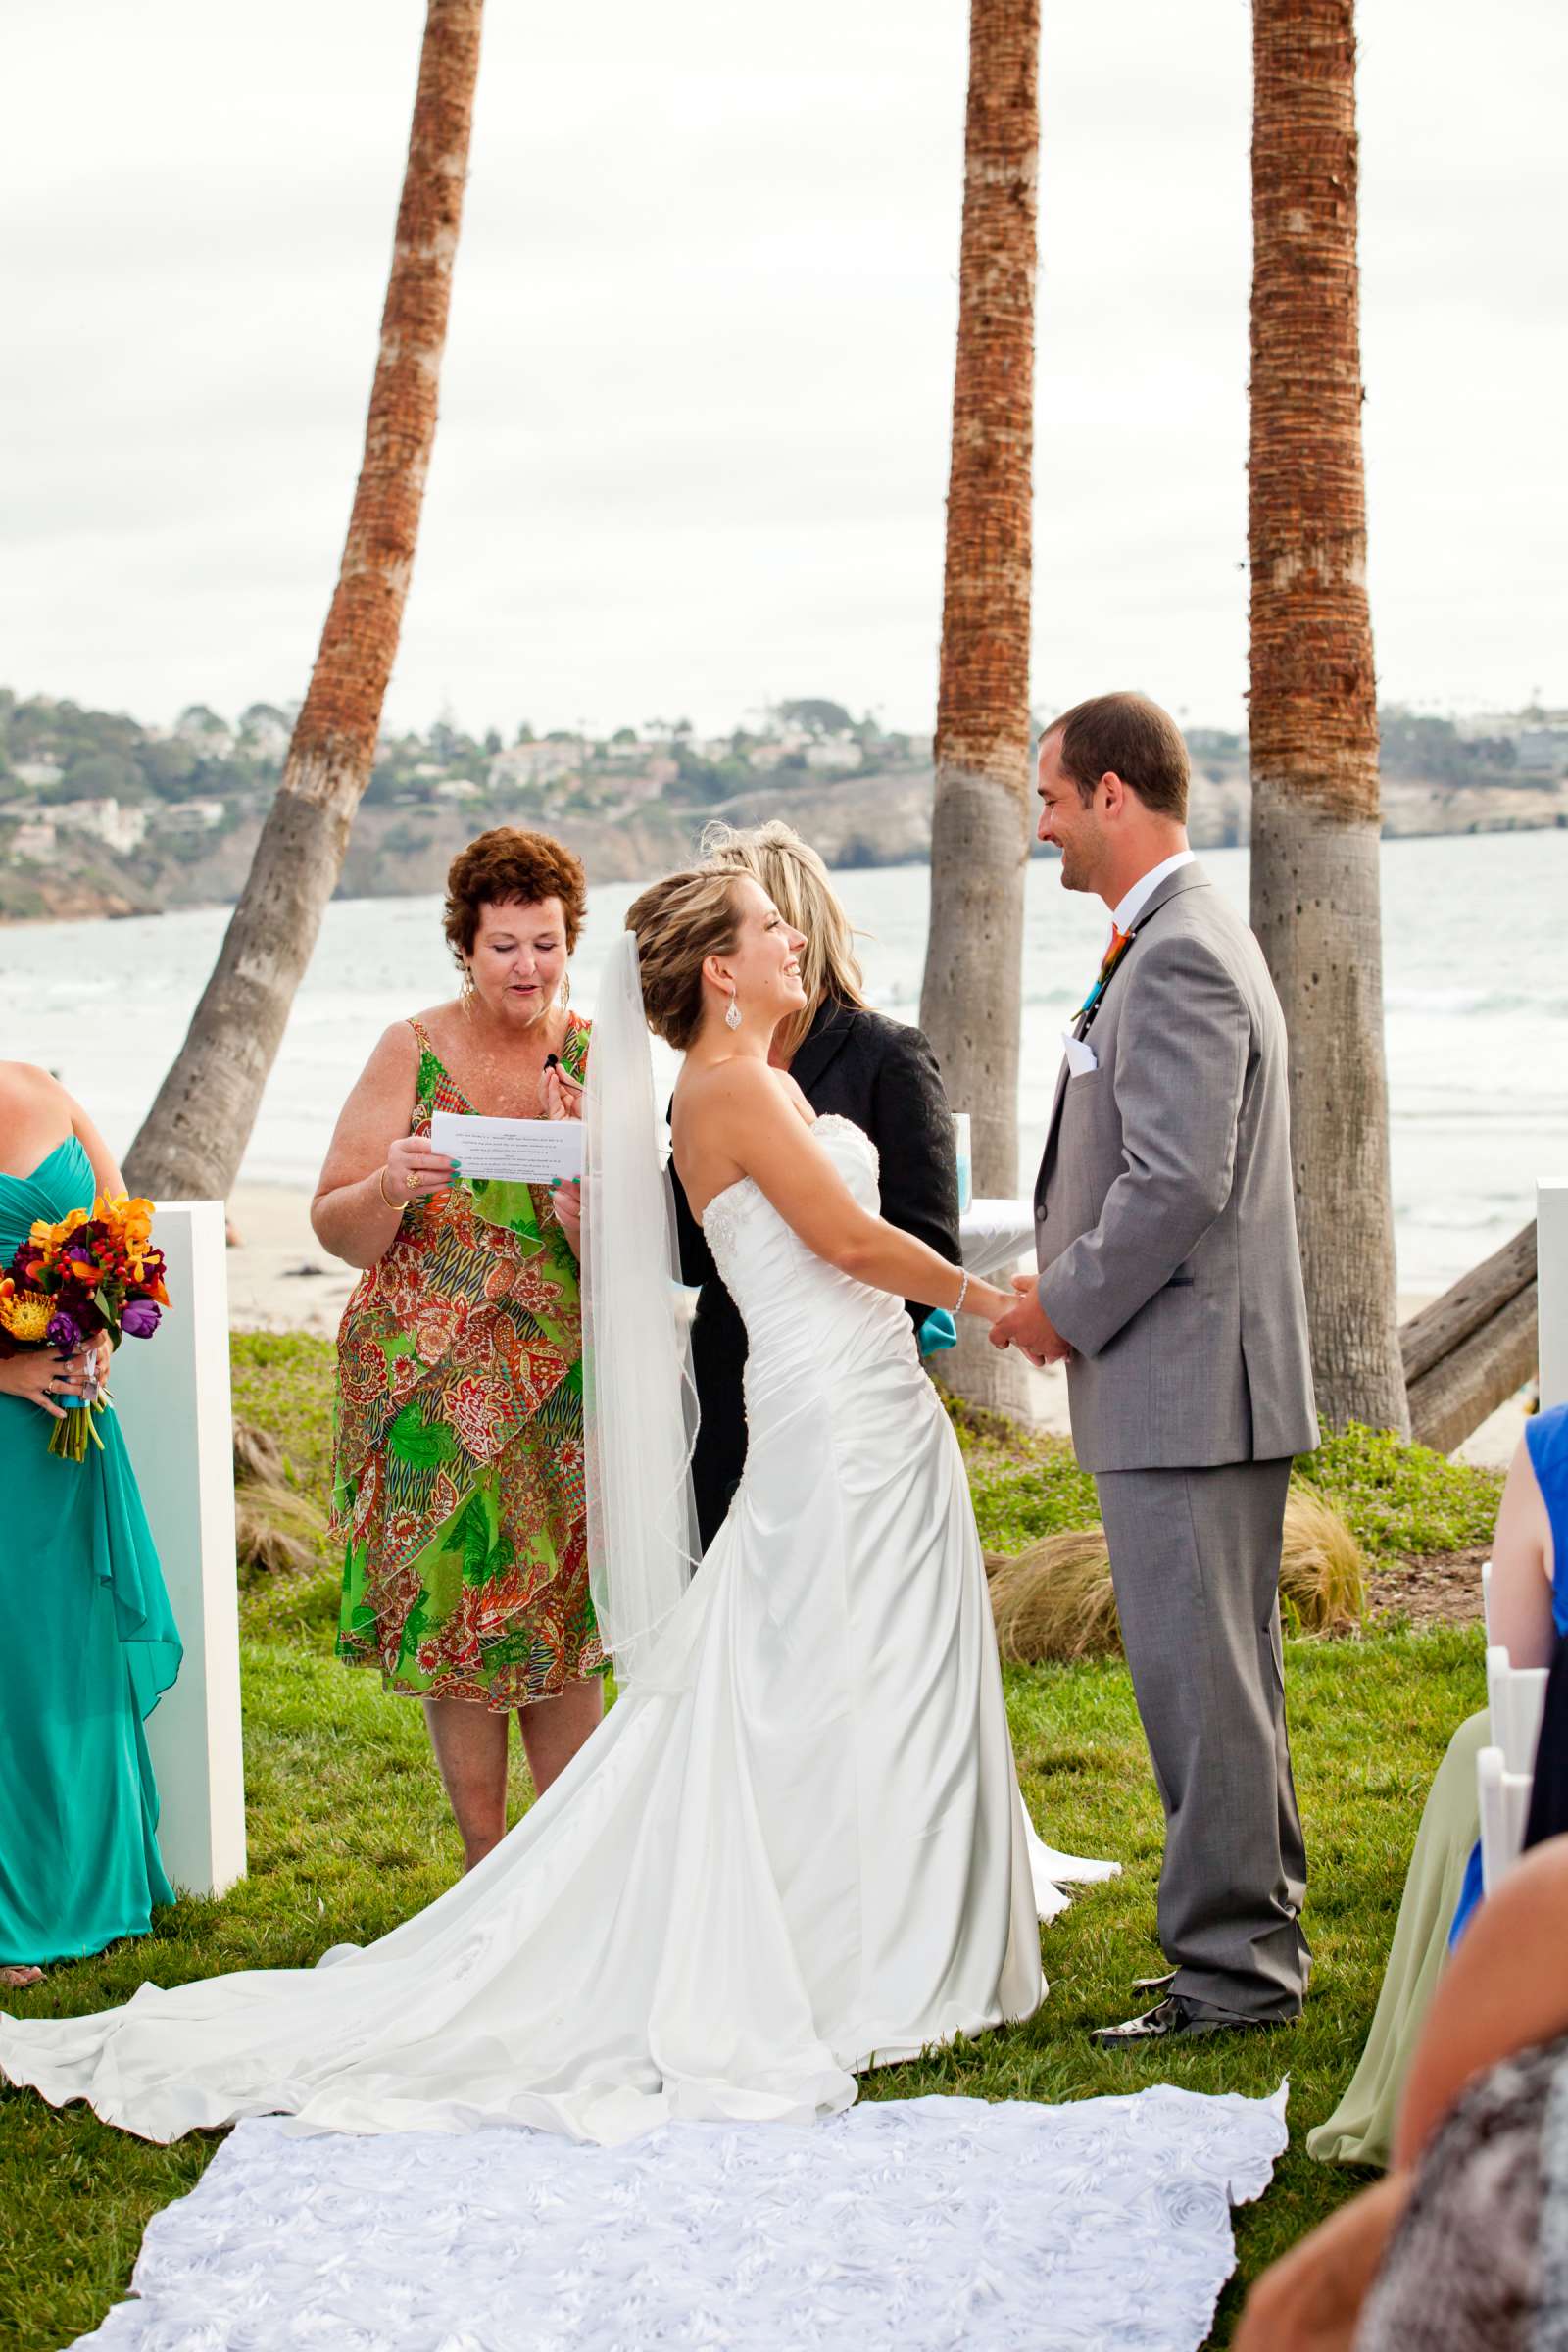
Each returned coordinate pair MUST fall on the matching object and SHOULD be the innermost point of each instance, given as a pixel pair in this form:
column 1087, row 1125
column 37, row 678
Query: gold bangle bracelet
column 381, row 1186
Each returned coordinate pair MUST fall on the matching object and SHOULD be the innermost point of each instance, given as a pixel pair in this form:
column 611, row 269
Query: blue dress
column 87, row 1646
column 1546, row 1443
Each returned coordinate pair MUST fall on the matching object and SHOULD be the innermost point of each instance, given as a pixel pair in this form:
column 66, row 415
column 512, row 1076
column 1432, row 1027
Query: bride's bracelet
column 957, row 1307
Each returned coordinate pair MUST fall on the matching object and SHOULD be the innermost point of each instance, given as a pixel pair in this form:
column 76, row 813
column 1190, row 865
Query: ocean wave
column 1472, row 1215
column 1463, row 1004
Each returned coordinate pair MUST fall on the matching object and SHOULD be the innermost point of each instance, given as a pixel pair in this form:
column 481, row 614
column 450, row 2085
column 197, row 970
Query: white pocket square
column 1081, row 1056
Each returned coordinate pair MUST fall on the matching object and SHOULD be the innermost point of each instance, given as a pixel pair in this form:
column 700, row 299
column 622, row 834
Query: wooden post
column 1552, row 1255
column 1472, row 1347
column 172, row 1393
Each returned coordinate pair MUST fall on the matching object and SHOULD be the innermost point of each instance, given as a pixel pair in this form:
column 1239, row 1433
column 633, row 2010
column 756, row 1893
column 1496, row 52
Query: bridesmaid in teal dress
column 90, row 1639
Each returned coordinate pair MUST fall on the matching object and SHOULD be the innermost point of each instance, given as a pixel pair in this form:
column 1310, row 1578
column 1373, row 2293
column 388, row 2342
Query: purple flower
column 63, row 1334
column 140, row 1319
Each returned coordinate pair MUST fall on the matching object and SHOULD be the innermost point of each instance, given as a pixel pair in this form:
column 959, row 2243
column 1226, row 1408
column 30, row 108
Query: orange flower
column 51, row 1239
column 129, row 1221
column 125, row 1226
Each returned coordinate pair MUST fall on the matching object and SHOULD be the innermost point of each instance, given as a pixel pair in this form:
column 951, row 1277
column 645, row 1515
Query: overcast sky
column 693, row 446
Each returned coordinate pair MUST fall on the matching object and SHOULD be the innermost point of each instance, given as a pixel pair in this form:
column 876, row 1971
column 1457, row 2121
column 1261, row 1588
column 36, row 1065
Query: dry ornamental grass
column 1056, row 1601
column 275, row 1527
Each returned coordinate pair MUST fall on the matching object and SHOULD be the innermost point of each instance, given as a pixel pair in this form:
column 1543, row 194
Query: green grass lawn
column 349, row 1834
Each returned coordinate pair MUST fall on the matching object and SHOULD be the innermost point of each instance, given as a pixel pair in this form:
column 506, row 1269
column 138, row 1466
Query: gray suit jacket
column 1165, row 1210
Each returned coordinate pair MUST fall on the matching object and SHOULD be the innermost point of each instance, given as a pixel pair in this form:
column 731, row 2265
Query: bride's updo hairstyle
column 679, row 923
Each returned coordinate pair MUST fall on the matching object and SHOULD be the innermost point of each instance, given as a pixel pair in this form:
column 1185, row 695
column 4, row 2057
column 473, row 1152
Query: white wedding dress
column 795, row 1848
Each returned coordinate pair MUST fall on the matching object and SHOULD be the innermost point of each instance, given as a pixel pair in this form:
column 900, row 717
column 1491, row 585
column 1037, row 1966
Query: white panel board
column 172, row 1393
column 1551, row 1266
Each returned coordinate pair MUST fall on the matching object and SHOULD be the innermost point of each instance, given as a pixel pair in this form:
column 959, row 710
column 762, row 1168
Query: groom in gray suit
column 1170, row 1285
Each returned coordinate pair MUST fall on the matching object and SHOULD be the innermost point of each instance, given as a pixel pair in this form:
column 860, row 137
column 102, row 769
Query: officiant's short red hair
column 511, row 868
column 1128, row 736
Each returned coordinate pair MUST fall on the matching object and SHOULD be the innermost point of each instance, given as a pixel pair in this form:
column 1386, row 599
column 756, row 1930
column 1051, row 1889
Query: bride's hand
column 1025, row 1325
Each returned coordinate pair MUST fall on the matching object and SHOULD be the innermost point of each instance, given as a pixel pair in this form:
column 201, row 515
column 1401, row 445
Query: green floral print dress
column 457, row 1487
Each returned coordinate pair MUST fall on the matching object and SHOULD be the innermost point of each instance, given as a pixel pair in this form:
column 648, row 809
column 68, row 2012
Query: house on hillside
column 1542, row 751
column 190, row 817
column 34, row 838
column 538, row 763
column 635, row 792
column 119, row 829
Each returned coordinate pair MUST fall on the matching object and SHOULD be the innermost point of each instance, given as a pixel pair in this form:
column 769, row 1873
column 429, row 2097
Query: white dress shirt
column 1131, row 907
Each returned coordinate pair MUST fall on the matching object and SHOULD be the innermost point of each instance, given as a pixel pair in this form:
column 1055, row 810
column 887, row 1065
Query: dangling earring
column 466, row 991
column 564, row 999
column 732, row 1016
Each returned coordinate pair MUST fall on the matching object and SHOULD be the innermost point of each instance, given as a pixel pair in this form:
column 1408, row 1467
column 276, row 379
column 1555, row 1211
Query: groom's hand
column 1027, row 1326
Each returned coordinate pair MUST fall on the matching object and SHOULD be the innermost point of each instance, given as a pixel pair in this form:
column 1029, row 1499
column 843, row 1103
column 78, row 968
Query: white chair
column 1516, row 1696
column 1486, row 1600
column 1504, row 1809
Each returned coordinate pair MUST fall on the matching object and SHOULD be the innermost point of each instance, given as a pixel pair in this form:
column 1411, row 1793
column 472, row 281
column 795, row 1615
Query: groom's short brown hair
column 1129, row 736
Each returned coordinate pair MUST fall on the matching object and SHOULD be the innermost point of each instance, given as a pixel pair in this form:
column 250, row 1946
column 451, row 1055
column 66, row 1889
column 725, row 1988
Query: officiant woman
column 848, row 1061
column 458, row 1487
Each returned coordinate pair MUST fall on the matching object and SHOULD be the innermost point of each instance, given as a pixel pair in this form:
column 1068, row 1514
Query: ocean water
column 1476, row 976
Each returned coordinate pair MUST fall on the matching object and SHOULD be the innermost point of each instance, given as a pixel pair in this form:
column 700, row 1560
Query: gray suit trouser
column 1194, row 1557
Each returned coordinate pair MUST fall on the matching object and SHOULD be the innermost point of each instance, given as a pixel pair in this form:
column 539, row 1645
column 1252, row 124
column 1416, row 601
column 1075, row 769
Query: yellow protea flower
column 26, row 1319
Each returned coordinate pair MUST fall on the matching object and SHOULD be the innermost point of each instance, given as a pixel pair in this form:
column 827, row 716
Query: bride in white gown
column 796, row 1847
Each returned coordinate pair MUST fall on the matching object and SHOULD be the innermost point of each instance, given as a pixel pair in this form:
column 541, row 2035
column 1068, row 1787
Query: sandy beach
column 282, row 1279
column 279, row 1277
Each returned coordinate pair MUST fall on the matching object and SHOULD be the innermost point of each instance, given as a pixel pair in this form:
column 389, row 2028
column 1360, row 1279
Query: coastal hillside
column 100, row 814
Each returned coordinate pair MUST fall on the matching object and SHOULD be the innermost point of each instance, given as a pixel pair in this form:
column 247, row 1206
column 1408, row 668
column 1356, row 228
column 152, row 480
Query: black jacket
column 883, row 1075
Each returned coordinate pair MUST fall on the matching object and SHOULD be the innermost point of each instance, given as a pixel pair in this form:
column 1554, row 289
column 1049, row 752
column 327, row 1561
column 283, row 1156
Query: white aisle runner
column 924, row 2224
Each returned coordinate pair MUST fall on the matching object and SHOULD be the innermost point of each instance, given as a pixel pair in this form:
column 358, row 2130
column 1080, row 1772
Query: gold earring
column 466, row 991
column 565, row 990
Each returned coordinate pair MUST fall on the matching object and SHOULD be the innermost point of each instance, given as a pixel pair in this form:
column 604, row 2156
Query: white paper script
column 510, row 1151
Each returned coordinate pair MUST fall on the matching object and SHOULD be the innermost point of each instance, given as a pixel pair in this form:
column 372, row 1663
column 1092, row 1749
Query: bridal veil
column 640, row 1399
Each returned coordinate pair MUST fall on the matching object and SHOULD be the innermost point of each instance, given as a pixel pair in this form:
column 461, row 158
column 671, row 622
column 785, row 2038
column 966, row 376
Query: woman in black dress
column 845, row 1060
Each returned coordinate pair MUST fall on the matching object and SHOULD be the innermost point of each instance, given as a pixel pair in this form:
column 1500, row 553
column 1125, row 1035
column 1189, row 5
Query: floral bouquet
column 72, row 1281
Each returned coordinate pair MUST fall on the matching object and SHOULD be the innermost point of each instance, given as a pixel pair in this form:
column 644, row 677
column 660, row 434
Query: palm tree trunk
column 194, row 1137
column 1315, row 898
column 970, row 1002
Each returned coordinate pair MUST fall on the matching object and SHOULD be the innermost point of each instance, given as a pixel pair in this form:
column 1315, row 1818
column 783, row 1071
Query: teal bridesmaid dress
column 87, row 1646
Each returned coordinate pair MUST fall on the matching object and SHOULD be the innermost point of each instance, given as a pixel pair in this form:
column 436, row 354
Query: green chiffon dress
column 90, row 1647
column 1360, row 2130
